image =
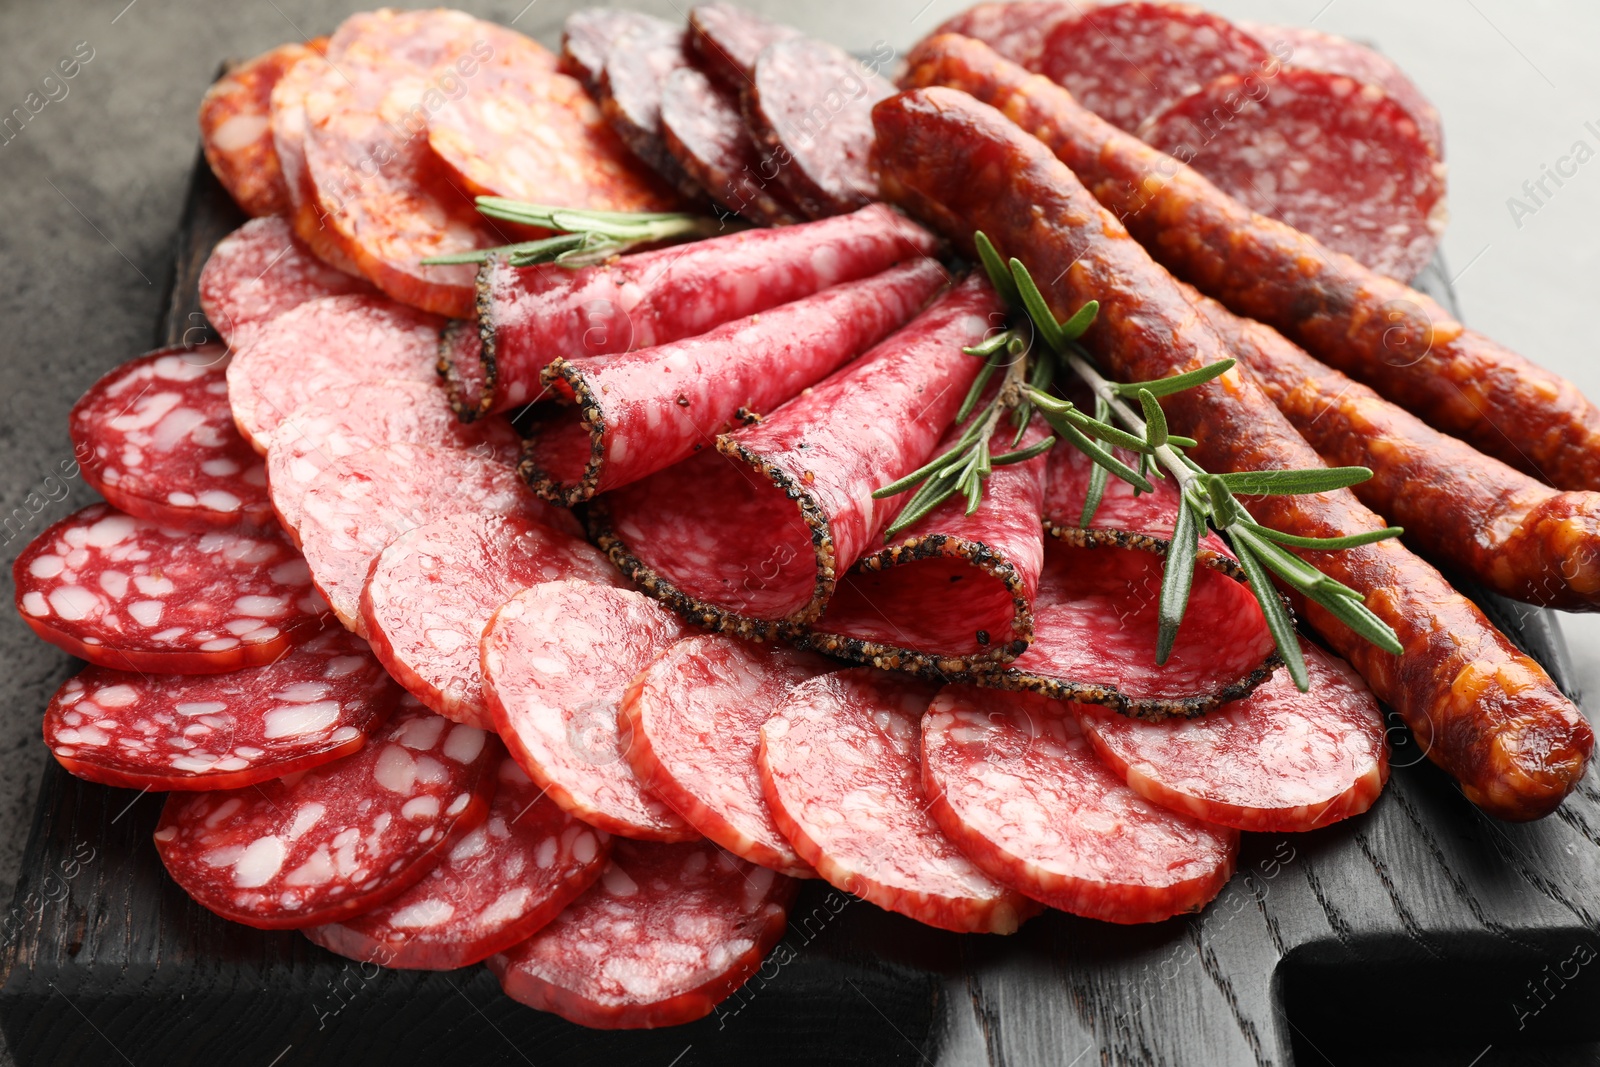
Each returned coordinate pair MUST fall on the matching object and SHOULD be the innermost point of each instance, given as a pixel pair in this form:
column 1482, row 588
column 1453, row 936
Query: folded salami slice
column 258, row 272
column 289, row 139
column 316, row 704
column 497, row 886
column 587, row 36
column 1332, row 157
column 1017, row 29
column 841, row 765
column 132, row 595
column 302, row 354
column 661, row 939
column 557, row 659
column 704, row 130
column 693, row 719
column 433, row 590
column 635, row 73
column 236, row 128
column 156, row 437
column 1015, row 784
column 338, row 840
column 346, row 420
column 725, row 40
column 635, row 413
column 531, row 315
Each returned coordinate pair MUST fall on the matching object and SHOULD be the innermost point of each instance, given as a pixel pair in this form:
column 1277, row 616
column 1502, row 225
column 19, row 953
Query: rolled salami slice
column 236, row 128
column 289, row 139
column 1017, row 29
column 725, row 40
column 433, row 590
column 704, row 130
column 258, row 272
column 693, row 719
column 318, row 703
column 1015, row 784
column 301, row 354
column 129, row 594
column 661, row 939
column 1279, row 760
column 557, row 659
column 631, row 83
column 156, row 437
column 635, row 413
column 841, row 765
column 1336, row 159
column 497, row 885
column 357, row 506
column 343, row 421
column 587, row 36
column 338, row 840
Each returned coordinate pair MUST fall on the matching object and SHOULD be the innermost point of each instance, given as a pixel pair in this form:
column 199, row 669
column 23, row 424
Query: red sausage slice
column 317, row 704
column 258, row 272
column 637, row 66
column 665, row 934
column 704, row 130
column 336, row 841
column 726, row 39
column 236, row 128
column 587, row 35
column 289, row 138
column 156, row 437
column 1016, row 785
column 496, row 887
column 131, row 595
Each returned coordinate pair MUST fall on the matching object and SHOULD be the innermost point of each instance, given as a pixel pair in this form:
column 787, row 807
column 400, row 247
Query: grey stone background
column 91, row 189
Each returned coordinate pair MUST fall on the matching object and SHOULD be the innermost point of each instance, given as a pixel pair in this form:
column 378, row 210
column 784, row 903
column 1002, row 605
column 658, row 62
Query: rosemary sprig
column 582, row 237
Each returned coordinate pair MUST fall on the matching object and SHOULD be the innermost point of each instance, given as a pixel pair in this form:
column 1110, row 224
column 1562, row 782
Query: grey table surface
column 91, row 188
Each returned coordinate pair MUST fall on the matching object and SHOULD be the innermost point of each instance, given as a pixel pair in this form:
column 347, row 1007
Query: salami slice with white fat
column 725, row 40
column 316, row 704
column 258, row 272
column 497, row 885
column 841, row 765
column 129, row 594
column 1013, row 782
column 557, row 659
column 434, row 589
column 666, row 934
column 332, row 842
column 236, row 128
column 704, row 130
column 693, row 720
column 156, row 437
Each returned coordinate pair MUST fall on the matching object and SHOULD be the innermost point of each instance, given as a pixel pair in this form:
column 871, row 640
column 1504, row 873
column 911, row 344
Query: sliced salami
column 338, row 840
column 631, row 82
column 635, row 413
column 434, row 589
column 557, row 659
column 661, row 939
column 358, row 505
column 156, row 437
column 704, row 130
column 1279, row 760
column 726, row 39
column 809, row 105
column 693, row 720
column 316, row 704
column 1016, row 785
column 346, row 420
column 529, row 315
column 841, row 766
column 1127, row 62
column 258, row 272
column 497, row 885
column 1017, row 29
column 302, row 354
column 236, row 129
column 289, row 139
column 129, row 594
column 587, row 35
column 1330, row 156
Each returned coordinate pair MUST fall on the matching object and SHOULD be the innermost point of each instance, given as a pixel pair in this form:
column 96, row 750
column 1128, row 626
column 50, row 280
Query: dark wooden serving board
column 1420, row 933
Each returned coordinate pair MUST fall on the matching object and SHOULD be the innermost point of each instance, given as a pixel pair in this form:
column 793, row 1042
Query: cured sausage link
column 1511, row 532
column 1373, row 328
column 1483, row 711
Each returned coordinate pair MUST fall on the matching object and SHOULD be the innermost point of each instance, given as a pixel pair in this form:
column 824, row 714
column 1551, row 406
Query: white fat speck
column 116, row 696
column 420, row 808
column 34, row 603
column 316, row 870
column 464, row 743
column 72, row 603
column 47, row 566
column 395, row 770
column 259, row 863
column 146, row 612
column 300, row 719
column 617, row 882
column 202, row 707
column 422, row 732
column 114, row 583
column 308, row 816
column 150, row 585
column 422, row 915
column 111, row 530
column 262, row 607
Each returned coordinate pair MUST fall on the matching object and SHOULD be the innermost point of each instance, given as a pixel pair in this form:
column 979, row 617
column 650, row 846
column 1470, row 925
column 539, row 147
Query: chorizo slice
column 236, row 128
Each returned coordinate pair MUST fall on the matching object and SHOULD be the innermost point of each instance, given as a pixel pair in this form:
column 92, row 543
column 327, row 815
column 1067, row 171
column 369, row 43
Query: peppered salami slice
column 635, row 413
column 307, row 351
column 841, row 765
column 631, row 83
column 497, row 885
column 1015, row 784
column 434, row 589
column 318, row 703
column 336, row 840
column 725, row 40
column 258, row 272
column 1017, row 29
column 358, row 505
column 236, row 128
column 1332, row 157
column 587, row 36
column 704, row 130
column 155, row 436
column 343, row 421
column 661, row 939
column 693, row 719
column 1126, row 62
column 557, row 659
column 529, row 315
column 129, row 594
column 1278, row 760
column 809, row 104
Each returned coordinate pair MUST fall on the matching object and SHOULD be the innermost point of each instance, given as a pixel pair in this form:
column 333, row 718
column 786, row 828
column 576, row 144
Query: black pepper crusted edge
column 593, row 420
column 447, row 364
